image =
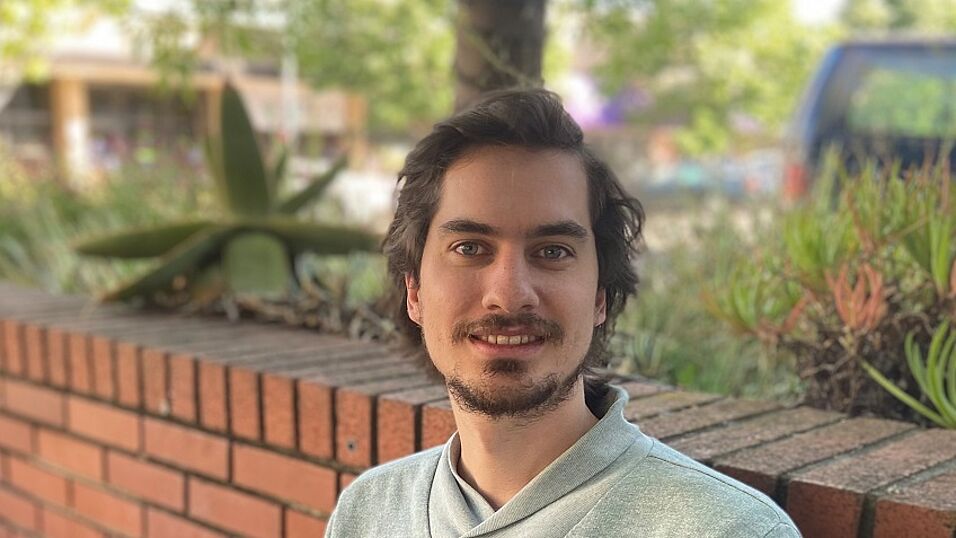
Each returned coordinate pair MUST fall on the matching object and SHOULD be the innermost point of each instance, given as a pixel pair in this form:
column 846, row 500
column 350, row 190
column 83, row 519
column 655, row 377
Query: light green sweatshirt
column 614, row 481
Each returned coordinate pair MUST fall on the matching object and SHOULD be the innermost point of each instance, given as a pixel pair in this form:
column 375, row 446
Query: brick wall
column 122, row 423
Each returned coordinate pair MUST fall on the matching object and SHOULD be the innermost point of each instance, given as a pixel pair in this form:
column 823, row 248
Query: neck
column 500, row 456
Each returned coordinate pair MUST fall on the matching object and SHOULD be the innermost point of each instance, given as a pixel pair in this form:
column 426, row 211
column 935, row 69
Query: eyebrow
column 567, row 228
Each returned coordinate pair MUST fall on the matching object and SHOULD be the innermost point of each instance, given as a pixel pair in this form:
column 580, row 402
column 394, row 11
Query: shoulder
column 398, row 474
column 381, row 501
column 684, row 497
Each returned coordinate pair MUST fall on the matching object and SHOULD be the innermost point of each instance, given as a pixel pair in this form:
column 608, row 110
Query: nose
column 509, row 285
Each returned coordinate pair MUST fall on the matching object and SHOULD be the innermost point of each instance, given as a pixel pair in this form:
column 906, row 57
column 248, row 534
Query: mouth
column 507, row 340
column 512, row 346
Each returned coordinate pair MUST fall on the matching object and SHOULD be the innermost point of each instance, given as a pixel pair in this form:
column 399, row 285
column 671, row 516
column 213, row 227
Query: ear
column 600, row 307
column 412, row 303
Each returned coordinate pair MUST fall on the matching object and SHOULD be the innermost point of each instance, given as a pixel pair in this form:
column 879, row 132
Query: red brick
column 212, row 396
column 283, row 477
column 155, row 390
column 827, row 500
column 81, row 371
column 397, row 417
column 278, row 408
column 438, row 423
column 706, row 445
column 345, row 479
column 182, row 387
column 926, row 509
column 56, row 525
column 244, row 403
column 38, row 482
column 128, row 375
column 16, row 435
column 147, row 481
column 18, row 510
column 71, row 454
column 56, row 345
column 190, row 449
column 232, row 510
column 316, row 433
column 103, row 375
column 104, row 423
column 300, row 525
column 34, row 340
column 666, row 402
column 37, row 403
column 697, row 418
column 639, row 389
column 108, row 510
column 162, row 525
column 761, row 466
column 14, row 360
column 355, row 415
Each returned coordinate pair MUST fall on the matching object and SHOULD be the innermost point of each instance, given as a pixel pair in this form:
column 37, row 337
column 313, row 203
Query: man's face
column 508, row 295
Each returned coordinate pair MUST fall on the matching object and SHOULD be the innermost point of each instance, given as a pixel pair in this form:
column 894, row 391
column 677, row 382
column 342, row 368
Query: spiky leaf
column 278, row 172
column 321, row 238
column 311, row 193
column 256, row 263
column 247, row 184
column 142, row 242
column 189, row 256
column 213, row 150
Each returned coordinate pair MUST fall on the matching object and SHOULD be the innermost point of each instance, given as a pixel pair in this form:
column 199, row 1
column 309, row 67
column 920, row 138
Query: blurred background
column 104, row 106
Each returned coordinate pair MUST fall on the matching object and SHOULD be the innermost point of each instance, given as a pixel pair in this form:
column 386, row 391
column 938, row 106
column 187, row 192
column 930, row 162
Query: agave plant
column 936, row 377
column 251, row 249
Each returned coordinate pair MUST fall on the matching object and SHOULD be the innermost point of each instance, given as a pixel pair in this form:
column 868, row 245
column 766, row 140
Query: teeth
column 502, row 340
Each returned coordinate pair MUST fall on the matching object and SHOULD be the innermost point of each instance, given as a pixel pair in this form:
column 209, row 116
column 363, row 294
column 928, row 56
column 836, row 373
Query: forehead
column 515, row 188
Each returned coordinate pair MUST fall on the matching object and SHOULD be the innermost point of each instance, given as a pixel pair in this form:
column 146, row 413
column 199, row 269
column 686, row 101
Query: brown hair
column 533, row 119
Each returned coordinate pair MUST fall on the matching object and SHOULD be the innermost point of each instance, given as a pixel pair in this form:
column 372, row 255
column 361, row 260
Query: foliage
column 882, row 244
column 248, row 249
column 936, row 377
column 39, row 217
column 25, row 25
column 707, row 65
column 667, row 332
column 925, row 15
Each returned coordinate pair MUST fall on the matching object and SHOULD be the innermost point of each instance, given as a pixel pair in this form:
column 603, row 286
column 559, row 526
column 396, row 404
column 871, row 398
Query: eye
column 554, row 252
column 468, row 248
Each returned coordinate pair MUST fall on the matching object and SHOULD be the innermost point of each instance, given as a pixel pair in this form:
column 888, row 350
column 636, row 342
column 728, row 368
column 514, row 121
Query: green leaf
column 247, row 185
column 279, row 172
column 191, row 255
column 212, row 147
column 309, row 194
column 902, row 396
column 140, row 243
column 320, row 238
column 256, row 263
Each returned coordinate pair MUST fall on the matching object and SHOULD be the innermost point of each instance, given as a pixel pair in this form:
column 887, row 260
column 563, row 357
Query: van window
column 905, row 103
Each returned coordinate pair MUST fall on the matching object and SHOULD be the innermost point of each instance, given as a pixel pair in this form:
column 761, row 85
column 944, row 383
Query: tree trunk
column 500, row 45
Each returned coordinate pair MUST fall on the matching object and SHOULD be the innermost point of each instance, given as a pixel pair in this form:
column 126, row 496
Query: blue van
column 884, row 100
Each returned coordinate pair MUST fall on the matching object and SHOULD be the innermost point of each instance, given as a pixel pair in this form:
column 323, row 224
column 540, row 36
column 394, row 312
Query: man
column 511, row 252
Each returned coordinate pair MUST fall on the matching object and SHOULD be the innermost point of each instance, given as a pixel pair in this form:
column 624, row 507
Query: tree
column 500, row 43
column 26, row 26
column 881, row 15
column 707, row 65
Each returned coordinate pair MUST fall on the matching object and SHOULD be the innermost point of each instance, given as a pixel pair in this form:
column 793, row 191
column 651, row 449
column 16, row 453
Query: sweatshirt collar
column 592, row 453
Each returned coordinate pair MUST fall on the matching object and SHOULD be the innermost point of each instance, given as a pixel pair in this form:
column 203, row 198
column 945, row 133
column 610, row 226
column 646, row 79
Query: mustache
column 546, row 329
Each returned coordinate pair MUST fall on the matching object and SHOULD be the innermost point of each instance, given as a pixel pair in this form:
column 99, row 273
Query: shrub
column 850, row 280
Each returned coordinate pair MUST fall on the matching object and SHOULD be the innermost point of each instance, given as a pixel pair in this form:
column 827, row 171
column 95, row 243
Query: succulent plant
column 251, row 248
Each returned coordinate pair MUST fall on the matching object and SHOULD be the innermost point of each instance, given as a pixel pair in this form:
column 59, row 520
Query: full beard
column 506, row 389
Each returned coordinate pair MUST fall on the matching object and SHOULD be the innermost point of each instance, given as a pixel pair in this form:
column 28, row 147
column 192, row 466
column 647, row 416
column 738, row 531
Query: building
column 100, row 106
